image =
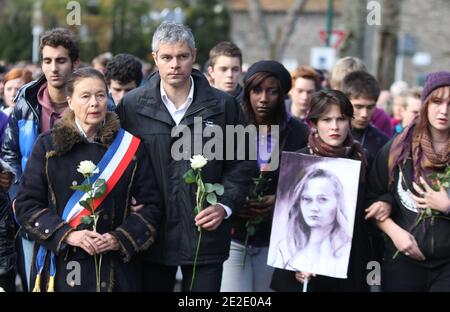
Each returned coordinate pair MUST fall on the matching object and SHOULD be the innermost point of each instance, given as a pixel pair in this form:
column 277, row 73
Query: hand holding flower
column 406, row 244
column 86, row 240
column 211, row 217
column 436, row 200
column 263, row 207
column 208, row 218
column 302, row 276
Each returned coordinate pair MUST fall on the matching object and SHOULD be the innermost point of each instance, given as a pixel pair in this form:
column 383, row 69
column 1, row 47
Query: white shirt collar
column 177, row 113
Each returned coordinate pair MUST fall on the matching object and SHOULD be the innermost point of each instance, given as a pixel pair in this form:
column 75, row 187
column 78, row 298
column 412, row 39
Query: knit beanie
column 273, row 67
column 433, row 81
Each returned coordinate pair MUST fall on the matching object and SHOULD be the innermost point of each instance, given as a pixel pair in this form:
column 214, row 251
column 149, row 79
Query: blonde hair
column 343, row 67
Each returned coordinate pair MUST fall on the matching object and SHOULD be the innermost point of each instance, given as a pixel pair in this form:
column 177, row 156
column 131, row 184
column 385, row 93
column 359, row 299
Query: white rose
column 86, row 167
column 198, row 161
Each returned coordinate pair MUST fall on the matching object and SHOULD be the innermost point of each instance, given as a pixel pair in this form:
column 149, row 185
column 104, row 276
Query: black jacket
column 371, row 139
column 45, row 189
column 7, row 247
column 432, row 235
column 292, row 138
column 143, row 113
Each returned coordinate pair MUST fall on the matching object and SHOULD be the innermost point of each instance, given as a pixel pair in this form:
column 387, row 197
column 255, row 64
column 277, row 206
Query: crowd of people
column 131, row 225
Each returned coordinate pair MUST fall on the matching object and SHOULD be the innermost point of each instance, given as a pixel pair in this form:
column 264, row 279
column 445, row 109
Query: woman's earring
column 313, row 130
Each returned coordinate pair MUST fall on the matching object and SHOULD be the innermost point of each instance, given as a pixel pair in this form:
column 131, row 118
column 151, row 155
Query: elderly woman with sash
column 70, row 254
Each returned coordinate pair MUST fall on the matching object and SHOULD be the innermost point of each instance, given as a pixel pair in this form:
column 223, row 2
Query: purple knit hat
column 435, row 80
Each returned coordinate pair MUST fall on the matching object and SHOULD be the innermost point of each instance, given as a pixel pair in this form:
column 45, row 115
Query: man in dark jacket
column 363, row 90
column 173, row 97
column 39, row 105
column 123, row 74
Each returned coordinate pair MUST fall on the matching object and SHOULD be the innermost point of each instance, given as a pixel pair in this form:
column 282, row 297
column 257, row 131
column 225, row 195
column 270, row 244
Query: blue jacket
column 23, row 127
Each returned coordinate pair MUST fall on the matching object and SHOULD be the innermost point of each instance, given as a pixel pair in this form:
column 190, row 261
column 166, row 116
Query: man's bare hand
column 211, row 217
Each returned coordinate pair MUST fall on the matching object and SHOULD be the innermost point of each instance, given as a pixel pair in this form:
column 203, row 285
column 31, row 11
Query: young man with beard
column 39, row 105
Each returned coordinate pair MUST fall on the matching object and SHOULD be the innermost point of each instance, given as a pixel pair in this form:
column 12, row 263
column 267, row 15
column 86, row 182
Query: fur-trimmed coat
column 45, row 189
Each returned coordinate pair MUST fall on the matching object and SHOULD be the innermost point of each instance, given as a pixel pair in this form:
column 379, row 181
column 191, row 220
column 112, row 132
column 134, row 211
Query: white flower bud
column 86, row 168
column 198, row 161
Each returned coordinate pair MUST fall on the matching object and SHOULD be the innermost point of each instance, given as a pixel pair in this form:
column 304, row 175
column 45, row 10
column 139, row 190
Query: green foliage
column 442, row 178
column 211, row 198
column 119, row 26
column 87, row 220
column 83, row 187
column 219, row 189
column 260, row 185
column 99, row 188
column 189, row 177
column 210, row 23
column 15, row 30
column 85, row 204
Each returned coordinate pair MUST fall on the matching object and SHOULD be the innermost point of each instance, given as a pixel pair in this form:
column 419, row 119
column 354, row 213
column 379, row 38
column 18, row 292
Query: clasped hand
column 92, row 242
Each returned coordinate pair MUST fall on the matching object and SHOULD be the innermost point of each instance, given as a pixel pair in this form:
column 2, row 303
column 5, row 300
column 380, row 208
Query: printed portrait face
column 318, row 203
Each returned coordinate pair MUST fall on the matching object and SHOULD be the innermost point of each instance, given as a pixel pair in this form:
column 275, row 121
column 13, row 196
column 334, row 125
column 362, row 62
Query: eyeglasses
column 99, row 97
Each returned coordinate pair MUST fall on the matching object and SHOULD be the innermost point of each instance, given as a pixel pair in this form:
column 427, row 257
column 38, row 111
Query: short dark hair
column 82, row 73
column 124, row 68
column 224, row 48
column 61, row 37
column 360, row 84
column 319, row 103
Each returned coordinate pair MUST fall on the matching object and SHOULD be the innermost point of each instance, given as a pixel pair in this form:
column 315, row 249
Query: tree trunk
column 289, row 26
column 257, row 16
column 386, row 49
column 354, row 17
column 276, row 47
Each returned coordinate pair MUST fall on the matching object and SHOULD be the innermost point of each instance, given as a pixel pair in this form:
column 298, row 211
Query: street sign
column 322, row 58
column 336, row 39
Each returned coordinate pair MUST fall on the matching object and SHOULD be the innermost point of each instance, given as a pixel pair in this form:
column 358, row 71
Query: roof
column 312, row 6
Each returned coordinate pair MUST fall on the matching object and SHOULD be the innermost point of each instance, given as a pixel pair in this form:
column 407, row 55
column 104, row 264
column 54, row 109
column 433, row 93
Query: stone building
column 424, row 24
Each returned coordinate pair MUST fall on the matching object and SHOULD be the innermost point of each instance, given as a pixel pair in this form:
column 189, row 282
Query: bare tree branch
column 286, row 32
column 257, row 16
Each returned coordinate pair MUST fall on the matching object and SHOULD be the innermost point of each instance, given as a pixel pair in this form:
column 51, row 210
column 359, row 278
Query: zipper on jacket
column 432, row 235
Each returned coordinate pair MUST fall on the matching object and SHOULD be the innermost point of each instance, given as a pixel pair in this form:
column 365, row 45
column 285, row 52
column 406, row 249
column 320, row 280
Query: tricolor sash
column 110, row 168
